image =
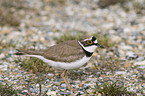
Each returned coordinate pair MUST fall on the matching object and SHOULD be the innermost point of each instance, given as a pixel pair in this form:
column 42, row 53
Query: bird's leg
column 64, row 77
column 68, row 85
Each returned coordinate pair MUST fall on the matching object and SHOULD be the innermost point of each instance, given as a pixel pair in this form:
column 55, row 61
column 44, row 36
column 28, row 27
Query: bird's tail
column 28, row 52
column 20, row 52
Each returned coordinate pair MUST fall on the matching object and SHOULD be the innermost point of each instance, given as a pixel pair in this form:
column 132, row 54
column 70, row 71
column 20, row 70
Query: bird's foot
column 72, row 89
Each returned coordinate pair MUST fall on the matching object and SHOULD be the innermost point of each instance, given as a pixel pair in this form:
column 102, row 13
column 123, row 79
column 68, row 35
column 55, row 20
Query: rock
column 63, row 85
column 5, row 30
column 37, row 85
column 140, row 63
column 131, row 55
column 110, row 53
column 141, row 67
column 121, row 52
column 57, row 83
column 2, row 55
column 47, row 38
column 125, row 47
column 26, row 91
column 120, row 72
column 4, row 66
column 127, row 31
column 80, row 93
column 15, row 35
column 64, row 93
column 51, row 93
column 140, row 58
column 116, row 39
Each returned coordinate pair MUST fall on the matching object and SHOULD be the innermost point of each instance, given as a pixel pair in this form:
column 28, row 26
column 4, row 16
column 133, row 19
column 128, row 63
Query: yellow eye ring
column 89, row 42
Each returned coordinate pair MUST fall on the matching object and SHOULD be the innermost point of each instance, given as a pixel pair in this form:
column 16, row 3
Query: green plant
column 34, row 65
column 9, row 12
column 7, row 90
column 7, row 18
column 55, row 3
column 7, row 45
column 109, row 63
column 136, row 5
column 106, row 3
column 112, row 89
column 69, row 36
column 103, row 39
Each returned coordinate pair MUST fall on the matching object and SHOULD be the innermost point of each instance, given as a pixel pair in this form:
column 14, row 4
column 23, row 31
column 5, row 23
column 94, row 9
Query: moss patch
column 113, row 89
column 7, row 90
column 34, row 65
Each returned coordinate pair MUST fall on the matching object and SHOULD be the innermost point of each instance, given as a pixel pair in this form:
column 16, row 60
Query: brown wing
column 64, row 52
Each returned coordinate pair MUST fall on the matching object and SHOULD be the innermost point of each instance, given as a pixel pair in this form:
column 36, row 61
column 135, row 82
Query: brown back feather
column 67, row 51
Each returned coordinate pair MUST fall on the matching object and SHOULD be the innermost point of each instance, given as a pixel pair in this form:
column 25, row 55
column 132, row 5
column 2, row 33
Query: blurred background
column 119, row 26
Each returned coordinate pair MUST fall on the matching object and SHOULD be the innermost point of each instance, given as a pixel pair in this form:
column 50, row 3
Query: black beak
column 99, row 45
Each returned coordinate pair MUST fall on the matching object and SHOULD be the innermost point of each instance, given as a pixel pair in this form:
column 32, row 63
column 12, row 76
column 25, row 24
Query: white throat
column 90, row 49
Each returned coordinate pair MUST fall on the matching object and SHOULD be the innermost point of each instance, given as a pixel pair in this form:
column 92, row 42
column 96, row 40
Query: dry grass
column 66, row 36
column 104, row 40
column 7, row 90
column 136, row 5
column 6, row 45
column 106, row 3
column 7, row 18
column 8, row 11
column 113, row 89
column 55, row 3
column 105, row 63
column 34, row 65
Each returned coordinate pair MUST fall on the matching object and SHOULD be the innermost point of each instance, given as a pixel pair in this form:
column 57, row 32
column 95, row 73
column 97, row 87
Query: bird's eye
column 89, row 42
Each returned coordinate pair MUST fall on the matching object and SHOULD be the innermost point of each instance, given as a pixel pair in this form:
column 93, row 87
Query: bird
column 66, row 55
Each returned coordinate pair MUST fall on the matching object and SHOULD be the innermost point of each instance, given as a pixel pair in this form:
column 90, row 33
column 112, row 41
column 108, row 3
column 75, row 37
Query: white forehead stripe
column 96, row 41
column 91, row 39
column 87, row 39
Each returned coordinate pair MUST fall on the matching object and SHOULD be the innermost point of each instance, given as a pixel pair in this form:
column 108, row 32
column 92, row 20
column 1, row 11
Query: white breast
column 63, row 65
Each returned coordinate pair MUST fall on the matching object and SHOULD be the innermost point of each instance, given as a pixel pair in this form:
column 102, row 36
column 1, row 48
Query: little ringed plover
column 65, row 55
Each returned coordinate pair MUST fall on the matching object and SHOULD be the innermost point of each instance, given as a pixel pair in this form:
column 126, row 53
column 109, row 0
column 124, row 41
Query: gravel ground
column 45, row 21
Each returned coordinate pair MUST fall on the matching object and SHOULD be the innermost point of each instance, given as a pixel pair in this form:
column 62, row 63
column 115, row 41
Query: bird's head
column 90, row 44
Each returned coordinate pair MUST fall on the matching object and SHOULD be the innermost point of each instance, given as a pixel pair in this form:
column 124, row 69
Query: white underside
column 63, row 65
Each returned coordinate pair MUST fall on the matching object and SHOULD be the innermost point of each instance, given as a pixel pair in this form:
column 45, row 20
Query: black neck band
column 88, row 54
